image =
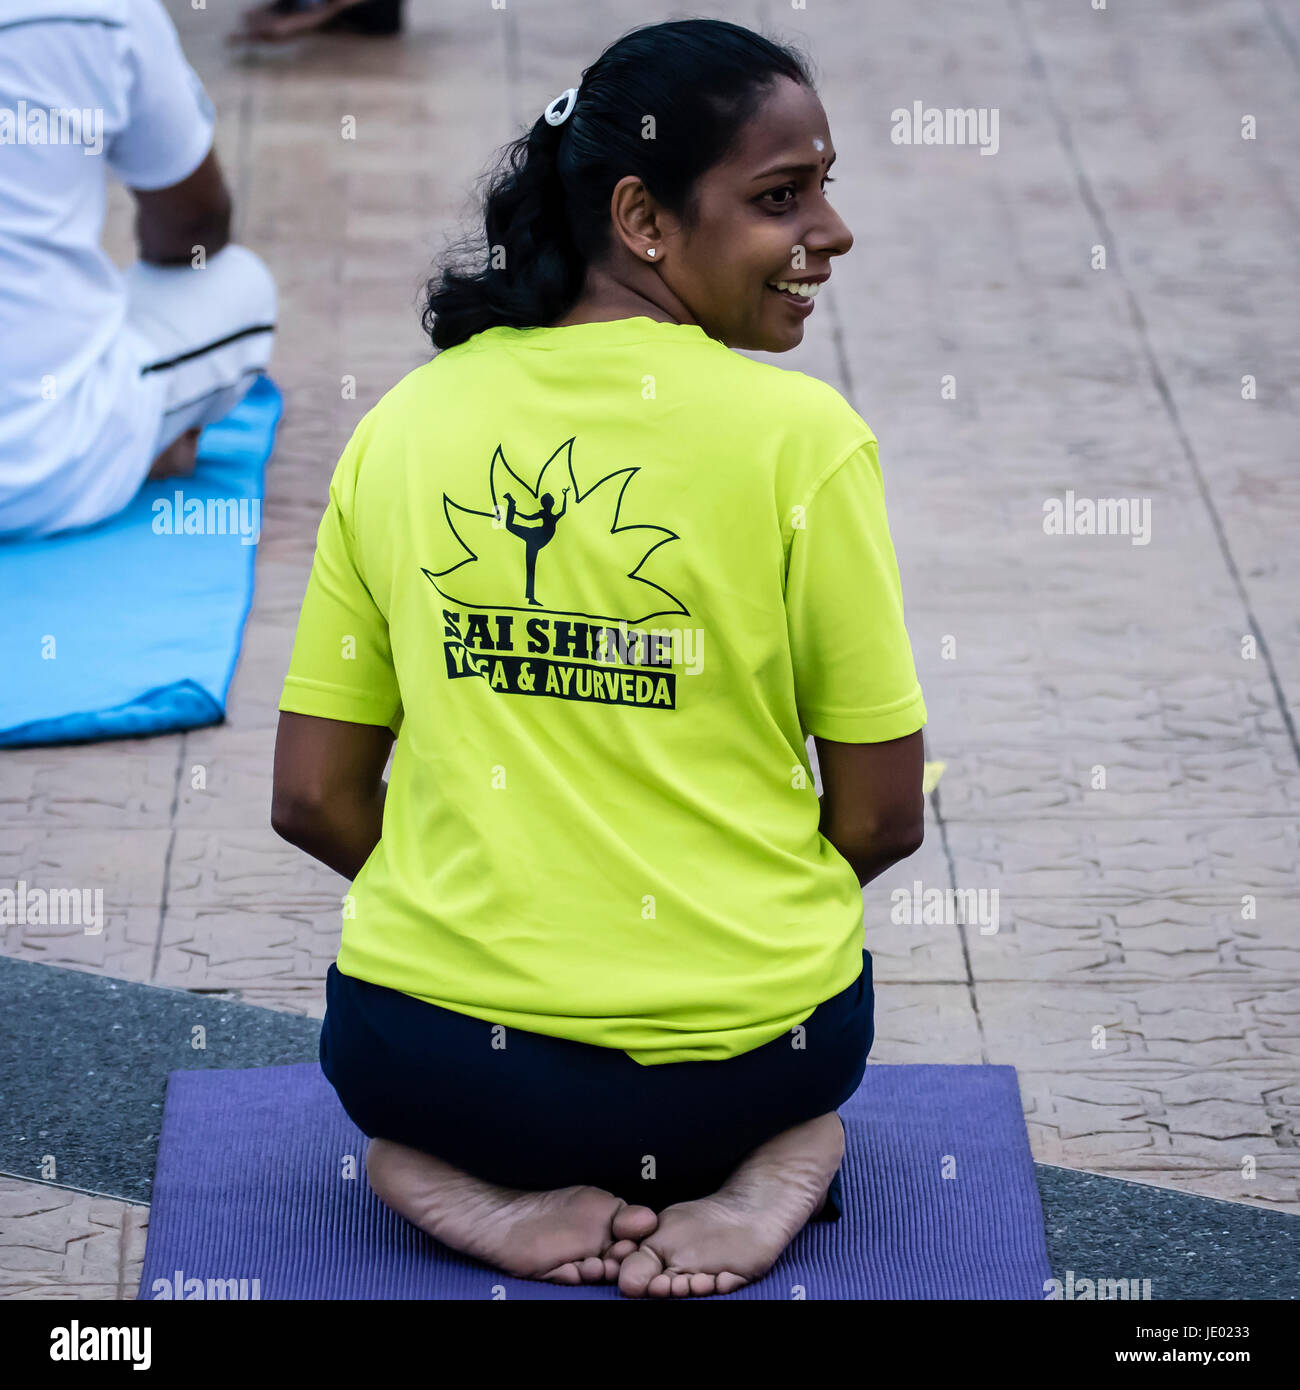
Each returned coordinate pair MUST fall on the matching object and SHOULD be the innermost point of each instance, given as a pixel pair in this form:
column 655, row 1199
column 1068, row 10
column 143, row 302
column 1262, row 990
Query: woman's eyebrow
column 794, row 169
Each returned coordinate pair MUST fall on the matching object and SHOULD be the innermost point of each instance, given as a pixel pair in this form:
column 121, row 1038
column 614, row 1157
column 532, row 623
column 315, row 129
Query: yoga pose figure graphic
column 534, row 537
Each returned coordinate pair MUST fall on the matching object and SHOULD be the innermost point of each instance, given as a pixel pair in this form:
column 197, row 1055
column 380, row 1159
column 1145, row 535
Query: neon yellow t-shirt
column 601, row 821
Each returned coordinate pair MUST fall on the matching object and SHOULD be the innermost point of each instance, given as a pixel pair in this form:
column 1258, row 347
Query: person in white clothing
column 108, row 377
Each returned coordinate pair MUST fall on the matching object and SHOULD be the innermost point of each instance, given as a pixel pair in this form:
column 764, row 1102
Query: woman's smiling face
column 762, row 216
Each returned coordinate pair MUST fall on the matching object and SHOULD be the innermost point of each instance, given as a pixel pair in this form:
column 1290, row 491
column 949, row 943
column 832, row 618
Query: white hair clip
column 568, row 97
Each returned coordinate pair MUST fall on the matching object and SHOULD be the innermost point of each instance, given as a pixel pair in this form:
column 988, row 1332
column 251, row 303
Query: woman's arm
column 873, row 807
column 329, row 788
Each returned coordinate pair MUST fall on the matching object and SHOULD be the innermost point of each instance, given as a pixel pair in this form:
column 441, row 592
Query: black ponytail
column 546, row 208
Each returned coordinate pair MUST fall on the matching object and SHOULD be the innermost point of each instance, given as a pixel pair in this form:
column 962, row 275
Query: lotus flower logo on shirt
column 552, row 548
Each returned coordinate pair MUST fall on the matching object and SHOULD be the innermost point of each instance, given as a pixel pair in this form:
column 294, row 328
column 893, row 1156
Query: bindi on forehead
column 785, row 154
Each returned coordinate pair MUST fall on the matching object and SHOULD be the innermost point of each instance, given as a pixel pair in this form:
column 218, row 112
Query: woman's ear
column 636, row 218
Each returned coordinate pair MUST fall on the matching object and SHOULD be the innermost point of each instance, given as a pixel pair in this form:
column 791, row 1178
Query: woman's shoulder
column 793, row 407
column 399, row 410
column 408, row 391
column 788, row 387
column 740, row 395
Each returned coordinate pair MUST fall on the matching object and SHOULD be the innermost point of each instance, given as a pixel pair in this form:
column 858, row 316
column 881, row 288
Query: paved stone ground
column 1152, row 1017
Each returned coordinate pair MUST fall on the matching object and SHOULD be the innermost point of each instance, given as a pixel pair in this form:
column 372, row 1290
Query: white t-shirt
column 86, row 86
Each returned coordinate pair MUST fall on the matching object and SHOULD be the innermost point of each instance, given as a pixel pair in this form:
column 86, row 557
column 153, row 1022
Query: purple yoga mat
column 251, row 1185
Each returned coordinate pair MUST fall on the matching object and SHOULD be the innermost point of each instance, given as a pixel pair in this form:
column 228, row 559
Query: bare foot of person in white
column 718, row 1244
column 263, row 24
column 573, row 1235
column 177, row 460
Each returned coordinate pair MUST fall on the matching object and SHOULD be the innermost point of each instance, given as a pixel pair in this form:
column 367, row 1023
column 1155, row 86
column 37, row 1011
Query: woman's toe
column 634, row 1223
column 639, row 1272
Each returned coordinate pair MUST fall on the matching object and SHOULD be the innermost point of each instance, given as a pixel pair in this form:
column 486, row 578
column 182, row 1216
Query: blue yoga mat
column 133, row 627
column 261, row 1176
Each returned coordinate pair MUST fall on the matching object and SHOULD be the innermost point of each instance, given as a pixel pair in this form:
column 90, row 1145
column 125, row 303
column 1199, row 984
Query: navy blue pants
column 546, row 1112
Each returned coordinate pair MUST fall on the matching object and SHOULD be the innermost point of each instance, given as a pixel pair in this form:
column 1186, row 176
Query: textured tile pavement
column 56, row 1243
column 1118, row 720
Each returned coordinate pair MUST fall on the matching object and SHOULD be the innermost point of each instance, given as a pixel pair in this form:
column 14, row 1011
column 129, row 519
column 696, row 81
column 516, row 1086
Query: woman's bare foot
column 573, row 1235
column 719, row 1243
column 177, row 460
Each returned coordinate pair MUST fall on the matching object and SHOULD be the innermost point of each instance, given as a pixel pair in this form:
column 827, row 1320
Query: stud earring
column 650, row 251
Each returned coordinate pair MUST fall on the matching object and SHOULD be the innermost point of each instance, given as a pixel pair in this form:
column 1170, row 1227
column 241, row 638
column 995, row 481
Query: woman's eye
column 792, row 191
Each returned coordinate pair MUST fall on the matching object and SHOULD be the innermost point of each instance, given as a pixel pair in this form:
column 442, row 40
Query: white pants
column 204, row 335
column 190, row 346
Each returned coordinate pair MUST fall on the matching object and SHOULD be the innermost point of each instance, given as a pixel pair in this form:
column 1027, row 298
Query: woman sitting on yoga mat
column 602, row 983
